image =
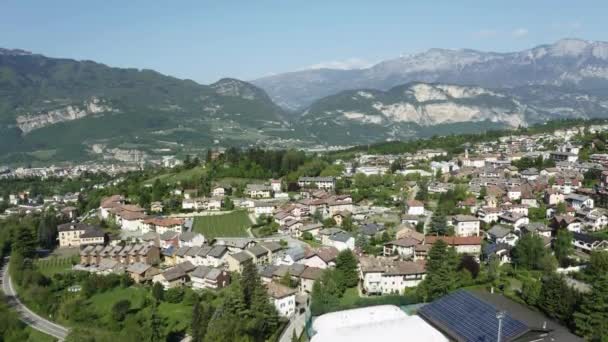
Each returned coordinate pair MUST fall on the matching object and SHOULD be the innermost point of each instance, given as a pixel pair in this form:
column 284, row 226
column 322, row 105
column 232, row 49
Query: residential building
column 75, row 234
column 206, row 277
column 465, row 225
column 327, row 183
column 283, row 298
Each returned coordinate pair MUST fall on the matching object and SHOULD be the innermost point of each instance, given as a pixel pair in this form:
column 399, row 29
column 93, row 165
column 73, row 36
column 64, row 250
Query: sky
column 207, row 40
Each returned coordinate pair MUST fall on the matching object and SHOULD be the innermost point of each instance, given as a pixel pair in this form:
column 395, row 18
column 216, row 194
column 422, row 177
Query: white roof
column 366, row 324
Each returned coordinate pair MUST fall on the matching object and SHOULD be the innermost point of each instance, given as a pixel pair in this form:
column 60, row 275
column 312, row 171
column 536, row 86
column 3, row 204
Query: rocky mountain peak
column 237, row 88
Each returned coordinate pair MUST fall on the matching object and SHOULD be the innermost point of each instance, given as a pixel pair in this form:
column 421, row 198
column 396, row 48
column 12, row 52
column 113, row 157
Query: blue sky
column 207, row 40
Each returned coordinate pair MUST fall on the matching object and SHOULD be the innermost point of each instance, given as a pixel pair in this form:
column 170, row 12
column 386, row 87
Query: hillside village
column 387, row 210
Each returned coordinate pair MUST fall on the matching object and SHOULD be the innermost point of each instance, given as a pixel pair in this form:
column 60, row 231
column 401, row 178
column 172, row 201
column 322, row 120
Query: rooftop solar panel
column 464, row 317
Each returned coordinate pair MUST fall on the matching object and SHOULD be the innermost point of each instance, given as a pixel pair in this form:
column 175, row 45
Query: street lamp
column 500, row 315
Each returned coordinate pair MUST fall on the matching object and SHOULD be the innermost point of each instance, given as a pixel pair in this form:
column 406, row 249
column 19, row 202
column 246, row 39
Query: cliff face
column 92, row 106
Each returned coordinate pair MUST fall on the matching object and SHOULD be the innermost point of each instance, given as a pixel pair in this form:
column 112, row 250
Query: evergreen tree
column 156, row 325
column 530, row 292
column 562, row 246
column 250, row 280
column 556, row 298
column 598, row 263
column 346, row 266
column 528, row 251
column 158, row 292
column 441, row 275
column 591, row 319
column 325, row 293
column 197, row 321
column 120, row 309
column 439, row 223
column 25, row 243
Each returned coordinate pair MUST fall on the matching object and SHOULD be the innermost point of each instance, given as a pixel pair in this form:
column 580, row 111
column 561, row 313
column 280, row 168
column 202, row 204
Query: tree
column 347, row 223
column 556, row 298
column 483, row 192
column 325, row 293
column 439, row 224
column 591, row 320
column 228, row 204
column 156, row 325
column 440, row 271
column 346, row 265
column 562, row 247
column 158, row 292
column 598, row 263
column 423, row 191
column 530, row 291
column 200, row 320
column 25, row 243
column 329, row 222
column 120, row 309
column 528, row 251
column 174, row 295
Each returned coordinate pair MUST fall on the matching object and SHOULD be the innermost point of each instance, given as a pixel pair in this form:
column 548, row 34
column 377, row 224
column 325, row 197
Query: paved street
column 27, row 316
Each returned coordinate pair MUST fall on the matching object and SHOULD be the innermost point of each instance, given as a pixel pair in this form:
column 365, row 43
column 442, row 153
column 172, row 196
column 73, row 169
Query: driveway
column 26, row 315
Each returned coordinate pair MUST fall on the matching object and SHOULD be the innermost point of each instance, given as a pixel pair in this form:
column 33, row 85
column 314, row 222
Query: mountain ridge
column 569, row 61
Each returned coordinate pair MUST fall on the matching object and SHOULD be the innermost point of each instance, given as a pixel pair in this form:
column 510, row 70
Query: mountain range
column 55, row 109
column 571, row 63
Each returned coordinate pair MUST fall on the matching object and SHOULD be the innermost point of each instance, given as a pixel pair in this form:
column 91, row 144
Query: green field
column 234, row 224
column 174, row 177
column 53, row 265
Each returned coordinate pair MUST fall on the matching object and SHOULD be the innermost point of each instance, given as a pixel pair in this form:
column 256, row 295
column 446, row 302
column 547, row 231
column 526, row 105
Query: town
column 422, row 240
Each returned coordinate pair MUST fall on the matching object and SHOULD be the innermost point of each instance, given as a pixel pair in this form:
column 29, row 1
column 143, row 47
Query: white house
column 387, row 276
column 465, row 225
column 577, row 201
column 263, row 208
column 516, row 220
column 502, row 235
column 283, row 298
column 327, row 183
column 258, row 191
column 275, row 185
column 341, row 240
column 218, row 191
column 415, row 207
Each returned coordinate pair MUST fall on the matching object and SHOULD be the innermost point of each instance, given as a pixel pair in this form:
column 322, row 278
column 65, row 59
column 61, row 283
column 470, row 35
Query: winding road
column 26, row 315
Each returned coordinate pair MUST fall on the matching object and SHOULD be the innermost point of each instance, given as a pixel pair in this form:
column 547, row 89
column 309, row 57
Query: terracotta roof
column 165, row 221
column 454, row 240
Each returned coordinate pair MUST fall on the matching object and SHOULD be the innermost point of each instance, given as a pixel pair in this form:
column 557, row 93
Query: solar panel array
column 464, row 317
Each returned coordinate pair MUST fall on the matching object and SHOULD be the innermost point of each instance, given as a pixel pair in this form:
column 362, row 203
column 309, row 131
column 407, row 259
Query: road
column 28, row 316
column 297, row 323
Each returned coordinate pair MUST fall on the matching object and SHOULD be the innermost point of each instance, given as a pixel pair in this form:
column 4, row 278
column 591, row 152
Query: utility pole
column 500, row 315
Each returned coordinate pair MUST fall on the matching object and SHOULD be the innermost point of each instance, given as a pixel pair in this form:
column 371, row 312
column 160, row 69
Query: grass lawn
column 174, row 177
column 103, row 302
column 312, row 243
column 234, row 224
column 52, row 265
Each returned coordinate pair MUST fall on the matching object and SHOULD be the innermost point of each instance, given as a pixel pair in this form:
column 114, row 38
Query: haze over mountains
column 62, row 109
